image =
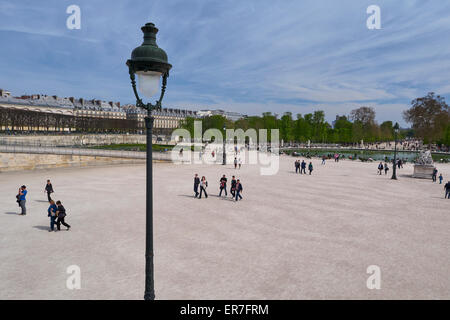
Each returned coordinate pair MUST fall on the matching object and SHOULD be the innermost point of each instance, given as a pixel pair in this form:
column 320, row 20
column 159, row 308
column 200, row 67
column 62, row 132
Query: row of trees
column 12, row 119
column 429, row 117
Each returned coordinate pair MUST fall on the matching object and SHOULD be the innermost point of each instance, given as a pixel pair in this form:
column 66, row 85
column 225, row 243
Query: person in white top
column 203, row 186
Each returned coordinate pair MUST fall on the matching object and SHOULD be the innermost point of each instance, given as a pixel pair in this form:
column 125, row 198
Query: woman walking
column 203, row 186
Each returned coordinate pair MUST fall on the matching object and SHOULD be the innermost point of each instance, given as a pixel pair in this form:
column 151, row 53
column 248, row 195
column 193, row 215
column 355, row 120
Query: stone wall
column 24, row 161
column 74, row 139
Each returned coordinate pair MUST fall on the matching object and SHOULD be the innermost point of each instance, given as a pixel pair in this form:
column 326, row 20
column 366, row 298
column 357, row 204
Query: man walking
column 233, row 187
column 235, row 162
column 49, row 189
column 303, row 166
column 223, row 186
column 52, row 214
column 310, row 168
column 297, row 166
column 447, row 190
column 196, row 183
column 386, row 168
column 61, row 214
column 239, row 190
column 380, row 168
column 435, row 171
column 23, row 199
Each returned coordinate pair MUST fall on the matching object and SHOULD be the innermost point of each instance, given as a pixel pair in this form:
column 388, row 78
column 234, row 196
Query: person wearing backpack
column 61, row 214
column 52, row 214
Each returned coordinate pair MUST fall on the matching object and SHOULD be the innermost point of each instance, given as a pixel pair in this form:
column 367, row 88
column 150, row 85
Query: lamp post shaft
column 224, row 153
column 394, row 169
column 149, row 269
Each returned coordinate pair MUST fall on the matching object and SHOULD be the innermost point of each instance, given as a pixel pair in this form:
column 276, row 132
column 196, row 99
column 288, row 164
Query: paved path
column 292, row 237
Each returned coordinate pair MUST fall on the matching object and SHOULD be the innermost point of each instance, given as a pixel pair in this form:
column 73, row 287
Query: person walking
column 235, row 162
column 223, row 185
column 49, row 189
column 233, row 187
column 240, row 163
column 239, row 190
column 441, row 178
column 297, row 166
column 303, row 167
column 323, row 159
column 52, row 214
column 380, row 168
column 203, row 186
column 310, row 168
column 196, row 183
column 23, row 199
column 435, row 171
column 61, row 215
column 447, row 190
column 386, row 168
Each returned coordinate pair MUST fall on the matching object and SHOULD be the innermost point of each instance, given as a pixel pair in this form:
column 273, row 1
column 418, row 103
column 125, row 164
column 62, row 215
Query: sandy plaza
column 291, row 237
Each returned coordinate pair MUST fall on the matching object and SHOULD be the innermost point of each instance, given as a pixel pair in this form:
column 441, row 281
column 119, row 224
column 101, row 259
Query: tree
column 429, row 117
column 365, row 115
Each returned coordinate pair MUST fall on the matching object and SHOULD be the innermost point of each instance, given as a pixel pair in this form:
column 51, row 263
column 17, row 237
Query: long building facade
column 67, row 111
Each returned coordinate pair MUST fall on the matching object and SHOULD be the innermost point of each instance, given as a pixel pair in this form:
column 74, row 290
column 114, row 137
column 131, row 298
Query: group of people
column 382, row 168
column 301, row 167
column 56, row 211
column 385, row 167
column 235, row 189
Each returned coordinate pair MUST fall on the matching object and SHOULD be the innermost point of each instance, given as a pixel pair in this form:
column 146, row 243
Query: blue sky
column 245, row 56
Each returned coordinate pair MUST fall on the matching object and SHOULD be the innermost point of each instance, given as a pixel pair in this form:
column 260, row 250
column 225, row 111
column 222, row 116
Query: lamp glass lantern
column 151, row 65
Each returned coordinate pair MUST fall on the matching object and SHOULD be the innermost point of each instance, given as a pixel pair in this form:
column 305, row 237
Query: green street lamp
column 149, row 63
column 394, row 169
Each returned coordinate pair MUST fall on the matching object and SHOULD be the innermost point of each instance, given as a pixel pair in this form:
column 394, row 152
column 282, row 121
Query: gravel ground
column 291, row 237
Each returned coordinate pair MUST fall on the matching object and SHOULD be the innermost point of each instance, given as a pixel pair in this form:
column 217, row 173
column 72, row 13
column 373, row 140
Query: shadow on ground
column 41, row 227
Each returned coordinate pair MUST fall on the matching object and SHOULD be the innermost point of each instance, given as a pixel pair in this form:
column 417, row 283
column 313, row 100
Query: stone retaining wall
column 24, row 161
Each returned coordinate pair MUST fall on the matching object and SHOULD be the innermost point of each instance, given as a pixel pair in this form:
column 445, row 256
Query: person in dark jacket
column 196, row 184
column 49, row 189
column 239, row 190
column 310, row 168
column 223, row 185
column 303, row 166
column 380, row 168
column 61, row 214
column 447, row 190
column 233, row 187
column 435, row 172
column 297, row 166
column 52, row 214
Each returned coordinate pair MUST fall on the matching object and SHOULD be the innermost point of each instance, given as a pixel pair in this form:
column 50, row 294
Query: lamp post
column 150, row 64
column 224, row 153
column 394, row 169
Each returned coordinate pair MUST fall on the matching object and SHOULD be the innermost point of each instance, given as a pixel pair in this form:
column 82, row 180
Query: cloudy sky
column 245, row 56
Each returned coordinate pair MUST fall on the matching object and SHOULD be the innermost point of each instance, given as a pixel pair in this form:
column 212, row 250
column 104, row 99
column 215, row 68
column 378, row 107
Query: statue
column 423, row 168
column 425, row 158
